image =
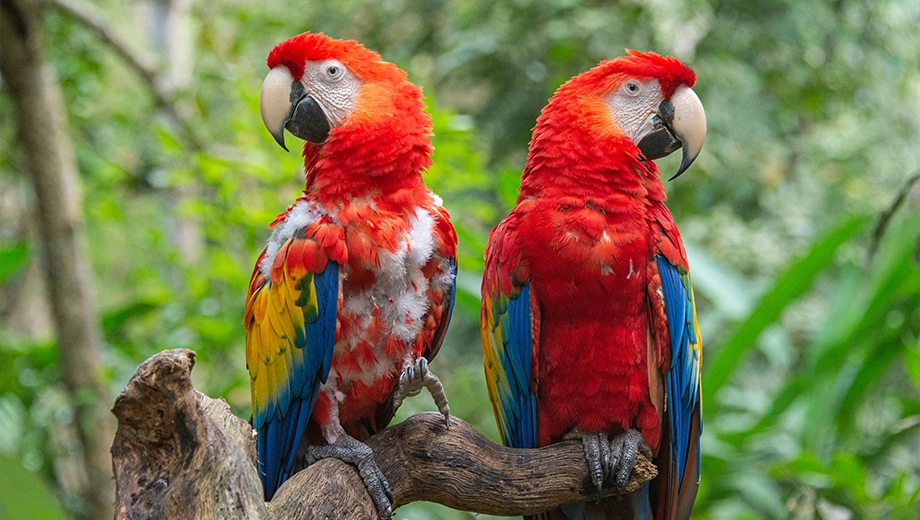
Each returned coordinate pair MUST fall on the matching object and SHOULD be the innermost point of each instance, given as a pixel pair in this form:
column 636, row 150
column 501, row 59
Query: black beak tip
column 279, row 138
column 685, row 163
column 676, row 175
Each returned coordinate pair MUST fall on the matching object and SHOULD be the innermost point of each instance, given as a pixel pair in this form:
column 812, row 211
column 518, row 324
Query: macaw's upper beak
column 284, row 103
column 680, row 123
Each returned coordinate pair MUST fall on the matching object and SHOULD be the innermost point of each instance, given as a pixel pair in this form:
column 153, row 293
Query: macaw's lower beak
column 680, row 123
column 661, row 141
column 308, row 121
column 285, row 104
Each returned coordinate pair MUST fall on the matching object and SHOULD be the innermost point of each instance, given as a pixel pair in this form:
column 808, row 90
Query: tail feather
column 634, row 506
column 672, row 494
column 690, row 484
column 641, row 504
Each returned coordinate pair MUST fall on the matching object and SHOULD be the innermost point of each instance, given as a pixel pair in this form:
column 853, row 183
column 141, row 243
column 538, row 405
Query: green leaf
column 788, row 286
column 874, row 367
column 509, row 182
column 761, row 493
column 779, row 403
column 850, row 474
column 23, row 494
column 113, row 321
column 728, row 291
column 912, row 363
column 12, row 258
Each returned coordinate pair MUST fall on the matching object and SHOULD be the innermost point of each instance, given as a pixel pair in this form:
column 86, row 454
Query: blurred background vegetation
column 800, row 219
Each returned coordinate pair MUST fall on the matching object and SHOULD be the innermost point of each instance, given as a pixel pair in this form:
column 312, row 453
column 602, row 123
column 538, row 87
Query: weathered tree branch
column 51, row 163
column 178, row 453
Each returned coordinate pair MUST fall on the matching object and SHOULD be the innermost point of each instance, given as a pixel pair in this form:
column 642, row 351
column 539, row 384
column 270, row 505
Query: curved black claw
column 353, row 451
column 611, row 461
column 624, row 448
column 413, row 379
column 597, row 452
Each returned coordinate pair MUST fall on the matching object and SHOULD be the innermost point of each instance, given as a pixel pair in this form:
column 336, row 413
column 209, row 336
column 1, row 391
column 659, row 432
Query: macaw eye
column 334, row 72
column 632, row 88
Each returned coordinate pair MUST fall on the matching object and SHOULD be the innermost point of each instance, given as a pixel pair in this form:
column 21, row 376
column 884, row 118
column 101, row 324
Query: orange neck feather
column 578, row 148
column 380, row 151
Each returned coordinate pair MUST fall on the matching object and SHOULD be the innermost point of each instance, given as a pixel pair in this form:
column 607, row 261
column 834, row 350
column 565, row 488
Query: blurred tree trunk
column 180, row 56
column 171, row 36
column 51, row 163
column 24, row 308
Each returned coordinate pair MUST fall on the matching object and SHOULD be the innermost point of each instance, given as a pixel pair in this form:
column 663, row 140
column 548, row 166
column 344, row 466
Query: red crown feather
column 361, row 61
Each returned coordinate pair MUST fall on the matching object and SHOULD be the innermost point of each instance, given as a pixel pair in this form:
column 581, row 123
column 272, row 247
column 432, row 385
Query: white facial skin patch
column 333, row 87
column 633, row 105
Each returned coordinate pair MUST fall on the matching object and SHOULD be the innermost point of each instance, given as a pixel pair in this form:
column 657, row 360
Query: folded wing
column 290, row 322
column 510, row 344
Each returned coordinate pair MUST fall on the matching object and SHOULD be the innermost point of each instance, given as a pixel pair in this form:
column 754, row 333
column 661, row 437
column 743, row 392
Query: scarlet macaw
column 353, row 293
column 588, row 319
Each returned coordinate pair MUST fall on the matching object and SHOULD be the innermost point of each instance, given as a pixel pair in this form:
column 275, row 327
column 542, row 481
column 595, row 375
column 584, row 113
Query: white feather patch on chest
column 400, row 296
column 401, row 280
column 400, row 293
column 300, row 216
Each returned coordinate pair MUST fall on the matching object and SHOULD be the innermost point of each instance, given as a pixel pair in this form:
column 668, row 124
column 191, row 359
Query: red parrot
column 588, row 319
column 352, row 295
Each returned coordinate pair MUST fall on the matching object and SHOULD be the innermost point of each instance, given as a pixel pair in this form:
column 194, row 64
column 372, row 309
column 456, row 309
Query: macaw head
column 645, row 97
column 319, row 86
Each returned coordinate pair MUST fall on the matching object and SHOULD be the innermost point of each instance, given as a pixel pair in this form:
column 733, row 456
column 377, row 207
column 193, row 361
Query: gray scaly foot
column 353, row 451
column 624, row 448
column 413, row 379
column 611, row 461
column 597, row 452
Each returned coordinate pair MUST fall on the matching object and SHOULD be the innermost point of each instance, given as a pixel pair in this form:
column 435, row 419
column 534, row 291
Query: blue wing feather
column 322, row 332
column 438, row 338
column 280, row 431
column 518, row 404
column 682, row 378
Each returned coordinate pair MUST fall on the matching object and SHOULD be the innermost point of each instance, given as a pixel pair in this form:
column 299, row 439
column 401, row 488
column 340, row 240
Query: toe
column 597, row 453
column 422, row 367
column 624, row 448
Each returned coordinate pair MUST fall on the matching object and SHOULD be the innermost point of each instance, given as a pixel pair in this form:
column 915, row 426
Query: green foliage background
column 809, row 299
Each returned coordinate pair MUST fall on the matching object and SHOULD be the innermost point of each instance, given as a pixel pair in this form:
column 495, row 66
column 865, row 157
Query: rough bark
column 178, row 453
column 52, row 167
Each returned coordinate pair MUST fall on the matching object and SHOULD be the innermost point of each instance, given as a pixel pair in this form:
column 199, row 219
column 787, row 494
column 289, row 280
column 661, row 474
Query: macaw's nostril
column 308, row 121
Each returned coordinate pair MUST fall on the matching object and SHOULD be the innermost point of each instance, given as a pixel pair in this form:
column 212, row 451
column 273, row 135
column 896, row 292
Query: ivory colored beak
column 275, row 102
column 688, row 125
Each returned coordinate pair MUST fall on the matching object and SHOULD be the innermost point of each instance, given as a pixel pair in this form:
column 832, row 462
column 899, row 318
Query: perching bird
column 353, row 293
column 588, row 319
